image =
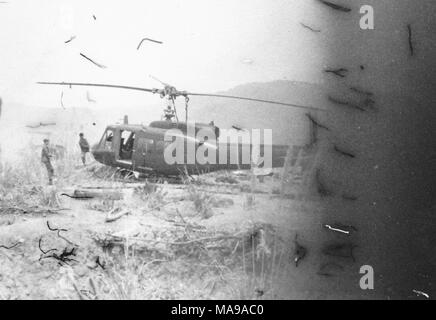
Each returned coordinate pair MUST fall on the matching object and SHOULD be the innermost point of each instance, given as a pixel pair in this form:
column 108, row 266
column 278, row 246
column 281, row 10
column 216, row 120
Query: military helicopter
column 142, row 148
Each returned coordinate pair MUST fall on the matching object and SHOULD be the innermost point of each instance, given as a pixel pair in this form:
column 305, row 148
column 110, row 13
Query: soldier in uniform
column 45, row 159
column 84, row 147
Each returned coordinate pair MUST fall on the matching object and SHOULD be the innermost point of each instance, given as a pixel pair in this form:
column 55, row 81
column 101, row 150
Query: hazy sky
column 207, row 46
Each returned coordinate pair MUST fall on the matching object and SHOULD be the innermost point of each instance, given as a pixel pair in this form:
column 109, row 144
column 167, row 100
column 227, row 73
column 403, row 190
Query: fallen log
column 115, row 214
column 90, row 194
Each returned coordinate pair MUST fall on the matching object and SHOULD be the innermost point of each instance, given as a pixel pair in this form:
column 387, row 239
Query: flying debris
column 62, row 99
column 362, row 92
column 343, row 153
column 92, row 61
column 88, row 97
column 336, row 229
column 342, row 72
column 335, row 6
column 420, row 293
column 409, row 29
column 95, row 18
column 247, row 61
column 148, row 39
column 71, row 39
column 310, row 28
column 238, row 128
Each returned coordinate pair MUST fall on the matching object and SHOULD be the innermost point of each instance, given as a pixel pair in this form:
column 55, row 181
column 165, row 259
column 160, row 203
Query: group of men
column 47, row 155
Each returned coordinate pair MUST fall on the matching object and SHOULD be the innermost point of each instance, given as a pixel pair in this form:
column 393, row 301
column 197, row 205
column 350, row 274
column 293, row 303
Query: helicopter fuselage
column 143, row 149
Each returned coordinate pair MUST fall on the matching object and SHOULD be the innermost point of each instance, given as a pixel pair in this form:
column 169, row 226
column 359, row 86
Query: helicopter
column 145, row 149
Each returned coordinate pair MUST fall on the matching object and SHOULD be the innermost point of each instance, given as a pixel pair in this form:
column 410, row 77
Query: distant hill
column 290, row 125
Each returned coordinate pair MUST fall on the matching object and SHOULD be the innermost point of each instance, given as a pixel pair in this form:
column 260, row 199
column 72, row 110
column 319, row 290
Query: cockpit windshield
column 107, row 140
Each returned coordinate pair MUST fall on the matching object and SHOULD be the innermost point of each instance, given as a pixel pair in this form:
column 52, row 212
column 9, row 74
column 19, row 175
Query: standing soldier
column 84, row 147
column 45, row 159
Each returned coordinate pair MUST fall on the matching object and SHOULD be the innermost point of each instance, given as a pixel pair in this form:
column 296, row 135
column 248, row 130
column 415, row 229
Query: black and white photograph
column 224, row 150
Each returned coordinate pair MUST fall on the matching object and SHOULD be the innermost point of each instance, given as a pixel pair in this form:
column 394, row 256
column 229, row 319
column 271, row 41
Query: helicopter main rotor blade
column 182, row 93
column 256, row 100
column 98, row 85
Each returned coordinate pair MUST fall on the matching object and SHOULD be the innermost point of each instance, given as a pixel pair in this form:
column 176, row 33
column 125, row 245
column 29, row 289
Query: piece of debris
column 100, row 264
column 323, row 191
column 341, row 72
column 92, row 61
column 54, row 229
column 238, row 128
column 328, row 269
column 362, row 67
column 59, row 233
column 40, row 248
column 300, row 252
column 349, row 197
column 62, row 100
column 314, row 129
column 259, row 292
column 11, row 246
column 98, row 193
column 71, row 39
column 95, row 18
column 337, row 229
column 359, row 91
column 343, row 153
column 115, row 214
column 88, row 97
column 310, row 28
column 420, row 293
column 76, row 197
column 63, row 257
column 340, row 250
column 335, row 6
column 409, row 29
column 147, row 39
column 345, row 103
column 247, row 61
column 316, row 123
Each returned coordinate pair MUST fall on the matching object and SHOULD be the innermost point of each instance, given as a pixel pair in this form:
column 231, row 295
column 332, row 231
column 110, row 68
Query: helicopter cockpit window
column 126, row 146
column 107, row 140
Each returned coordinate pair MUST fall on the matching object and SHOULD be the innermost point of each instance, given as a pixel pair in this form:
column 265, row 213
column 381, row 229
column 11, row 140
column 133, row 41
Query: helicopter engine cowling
column 183, row 126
